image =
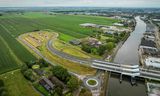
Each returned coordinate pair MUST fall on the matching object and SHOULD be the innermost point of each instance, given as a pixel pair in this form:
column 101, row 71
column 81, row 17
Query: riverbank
column 128, row 54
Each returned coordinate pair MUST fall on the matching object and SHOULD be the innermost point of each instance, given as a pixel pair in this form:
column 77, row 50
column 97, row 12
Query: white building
column 88, row 25
column 149, row 37
column 118, row 24
column 152, row 61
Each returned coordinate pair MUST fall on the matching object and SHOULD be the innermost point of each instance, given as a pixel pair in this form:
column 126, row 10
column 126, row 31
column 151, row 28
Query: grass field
column 17, row 85
column 69, row 49
column 12, row 25
column 7, row 59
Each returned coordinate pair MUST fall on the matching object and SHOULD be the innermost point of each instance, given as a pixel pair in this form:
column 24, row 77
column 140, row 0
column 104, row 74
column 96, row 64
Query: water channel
column 128, row 54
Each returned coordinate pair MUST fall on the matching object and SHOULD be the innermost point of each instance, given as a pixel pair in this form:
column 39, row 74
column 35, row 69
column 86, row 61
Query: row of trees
column 62, row 74
column 98, row 50
column 27, row 71
column 3, row 90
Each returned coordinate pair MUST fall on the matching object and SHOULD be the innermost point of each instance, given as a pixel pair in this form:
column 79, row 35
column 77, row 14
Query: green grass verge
column 92, row 82
column 17, row 85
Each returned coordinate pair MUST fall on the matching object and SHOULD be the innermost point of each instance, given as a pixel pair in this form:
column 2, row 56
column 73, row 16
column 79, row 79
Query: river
column 128, row 54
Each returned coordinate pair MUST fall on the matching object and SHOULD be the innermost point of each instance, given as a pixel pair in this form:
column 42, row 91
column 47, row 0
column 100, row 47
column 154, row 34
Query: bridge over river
column 126, row 69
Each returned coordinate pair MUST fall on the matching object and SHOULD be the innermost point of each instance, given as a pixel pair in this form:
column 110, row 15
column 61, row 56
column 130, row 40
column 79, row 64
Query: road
column 39, row 53
column 61, row 54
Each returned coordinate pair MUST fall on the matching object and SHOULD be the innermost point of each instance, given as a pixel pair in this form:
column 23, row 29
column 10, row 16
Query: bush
column 24, row 67
column 61, row 73
column 3, row 91
column 28, row 74
column 73, row 83
column 110, row 46
column 43, row 63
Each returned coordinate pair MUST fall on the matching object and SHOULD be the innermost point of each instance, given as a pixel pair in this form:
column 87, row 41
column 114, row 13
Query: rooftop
column 148, row 43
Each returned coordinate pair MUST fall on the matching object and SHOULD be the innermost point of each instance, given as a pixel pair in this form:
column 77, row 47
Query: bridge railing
column 116, row 64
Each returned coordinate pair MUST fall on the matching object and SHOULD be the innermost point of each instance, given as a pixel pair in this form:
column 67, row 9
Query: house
column 150, row 52
column 149, row 37
column 40, row 72
column 152, row 62
column 118, row 24
column 147, row 44
column 56, row 81
column 150, row 28
column 47, row 84
column 94, row 42
column 75, row 42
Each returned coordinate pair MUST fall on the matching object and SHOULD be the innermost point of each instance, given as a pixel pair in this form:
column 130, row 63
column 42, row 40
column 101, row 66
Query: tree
column 57, row 91
column 28, row 74
column 61, row 73
column 86, row 48
column 30, row 64
column 73, row 83
column 85, row 92
column 3, row 91
column 43, row 63
column 69, row 94
column 24, row 67
column 110, row 46
column 102, row 49
column 94, row 51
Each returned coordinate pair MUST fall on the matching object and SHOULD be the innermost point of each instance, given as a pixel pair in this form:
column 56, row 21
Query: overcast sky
column 89, row 3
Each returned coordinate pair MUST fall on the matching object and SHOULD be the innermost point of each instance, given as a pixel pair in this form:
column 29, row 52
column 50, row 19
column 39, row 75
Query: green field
column 12, row 25
column 13, row 53
column 17, row 85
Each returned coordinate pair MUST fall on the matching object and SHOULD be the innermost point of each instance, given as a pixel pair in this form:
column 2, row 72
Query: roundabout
column 92, row 82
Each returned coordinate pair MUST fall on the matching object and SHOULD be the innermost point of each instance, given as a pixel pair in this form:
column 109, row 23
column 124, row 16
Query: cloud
column 103, row 3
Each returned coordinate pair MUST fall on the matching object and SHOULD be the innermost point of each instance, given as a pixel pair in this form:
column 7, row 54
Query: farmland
column 14, row 54
column 12, row 25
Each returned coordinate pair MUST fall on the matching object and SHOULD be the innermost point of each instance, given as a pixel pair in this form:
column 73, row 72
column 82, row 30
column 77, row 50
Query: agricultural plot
column 7, row 60
column 66, row 24
column 13, row 25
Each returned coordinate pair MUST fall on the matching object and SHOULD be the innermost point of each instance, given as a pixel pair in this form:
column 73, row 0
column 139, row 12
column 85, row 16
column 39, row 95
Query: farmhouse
column 93, row 42
column 56, row 81
column 47, row 84
column 75, row 42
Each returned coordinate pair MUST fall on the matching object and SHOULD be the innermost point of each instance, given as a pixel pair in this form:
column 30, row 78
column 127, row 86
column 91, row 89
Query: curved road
column 61, row 54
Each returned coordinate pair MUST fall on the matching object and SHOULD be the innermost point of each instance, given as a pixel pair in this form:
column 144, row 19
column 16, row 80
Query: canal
column 128, row 54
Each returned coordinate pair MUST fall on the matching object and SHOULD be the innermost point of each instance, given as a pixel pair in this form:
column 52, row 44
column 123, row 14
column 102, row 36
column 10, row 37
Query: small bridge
column 130, row 70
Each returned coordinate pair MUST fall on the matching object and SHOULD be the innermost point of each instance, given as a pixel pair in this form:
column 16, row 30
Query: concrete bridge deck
column 130, row 70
